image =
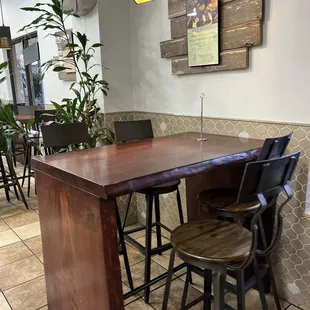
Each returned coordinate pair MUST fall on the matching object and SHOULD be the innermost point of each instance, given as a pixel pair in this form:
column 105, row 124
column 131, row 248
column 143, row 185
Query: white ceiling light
column 79, row 7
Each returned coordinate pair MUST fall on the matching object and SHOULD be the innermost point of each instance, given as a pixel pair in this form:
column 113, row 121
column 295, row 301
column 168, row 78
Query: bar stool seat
column 224, row 200
column 161, row 189
column 211, row 241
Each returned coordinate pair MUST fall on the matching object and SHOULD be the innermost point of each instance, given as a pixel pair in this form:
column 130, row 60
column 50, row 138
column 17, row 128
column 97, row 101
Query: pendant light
column 142, row 1
column 5, row 33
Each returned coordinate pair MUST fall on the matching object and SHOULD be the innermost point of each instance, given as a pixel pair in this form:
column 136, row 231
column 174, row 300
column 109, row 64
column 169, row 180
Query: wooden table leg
column 79, row 236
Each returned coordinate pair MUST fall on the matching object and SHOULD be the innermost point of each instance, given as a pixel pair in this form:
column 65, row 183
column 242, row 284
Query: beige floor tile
column 137, row 234
column 28, row 231
column 22, row 219
column 44, row 308
column 141, row 240
column 3, row 226
column 3, row 303
column 252, row 301
column 126, row 289
column 175, row 297
column 13, row 253
column 291, row 307
column 33, row 204
column 12, row 209
column 28, row 296
column 34, row 244
column 164, row 259
column 138, row 305
column 137, row 272
column 134, row 256
column 40, row 257
column 8, row 237
column 19, row 272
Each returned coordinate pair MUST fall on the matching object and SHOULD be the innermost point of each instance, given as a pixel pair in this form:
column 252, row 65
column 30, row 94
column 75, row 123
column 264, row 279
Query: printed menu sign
column 203, row 32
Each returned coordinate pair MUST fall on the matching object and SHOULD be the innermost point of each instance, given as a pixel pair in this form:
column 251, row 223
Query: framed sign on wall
column 203, row 34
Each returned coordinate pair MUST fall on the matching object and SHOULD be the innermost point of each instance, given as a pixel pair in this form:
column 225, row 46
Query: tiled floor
column 22, row 285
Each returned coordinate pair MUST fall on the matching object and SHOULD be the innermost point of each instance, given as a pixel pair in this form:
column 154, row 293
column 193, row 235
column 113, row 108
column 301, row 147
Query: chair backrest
column 274, row 147
column 56, row 136
column 29, row 110
column 266, row 180
column 267, row 177
column 42, row 117
column 126, row 131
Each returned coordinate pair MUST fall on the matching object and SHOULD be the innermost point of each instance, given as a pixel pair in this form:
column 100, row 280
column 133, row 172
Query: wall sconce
column 5, row 33
column 142, row 1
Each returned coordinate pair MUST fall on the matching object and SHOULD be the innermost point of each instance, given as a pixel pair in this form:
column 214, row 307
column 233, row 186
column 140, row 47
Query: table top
column 119, row 169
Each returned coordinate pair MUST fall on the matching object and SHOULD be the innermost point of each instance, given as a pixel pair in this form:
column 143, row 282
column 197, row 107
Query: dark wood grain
column 212, row 241
column 225, row 199
column 249, row 34
column 80, row 248
column 232, row 12
column 119, row 169
column 228, row 176
column 230, row 60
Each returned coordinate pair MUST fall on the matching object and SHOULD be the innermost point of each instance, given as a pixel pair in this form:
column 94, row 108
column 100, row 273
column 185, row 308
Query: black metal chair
column 41, row 117
column 139, row 130
column 59, row 138
column 217, row 246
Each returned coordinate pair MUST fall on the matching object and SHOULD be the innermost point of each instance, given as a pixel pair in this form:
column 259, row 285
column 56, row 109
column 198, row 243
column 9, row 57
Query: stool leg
column 260, row 287
column 157, row 219
column 29, row 171
column 240, row 290
column 15, row 180
column 218, row 279
column 127, row 211
column 273, row 284
column 4, row 179
column 186, row 286
column 207, row 289
column 148, row 246
column 25, row 164
column 180, row 207
column 169, row 280
column 123, row 245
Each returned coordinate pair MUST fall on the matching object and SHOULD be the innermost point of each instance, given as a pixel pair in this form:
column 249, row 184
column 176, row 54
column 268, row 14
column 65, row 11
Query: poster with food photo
column 203, row 32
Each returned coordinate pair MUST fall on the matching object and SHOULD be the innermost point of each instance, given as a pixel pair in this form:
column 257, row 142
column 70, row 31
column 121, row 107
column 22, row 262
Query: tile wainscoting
column 292, row 259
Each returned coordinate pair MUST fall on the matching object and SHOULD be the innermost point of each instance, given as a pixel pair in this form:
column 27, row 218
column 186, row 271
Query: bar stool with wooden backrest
column 139, row 130
column 41, row 117
column 217, row 246
column 222, row 203
column 57, row 138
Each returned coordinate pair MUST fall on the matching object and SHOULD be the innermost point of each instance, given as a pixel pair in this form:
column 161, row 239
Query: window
column 27, row 88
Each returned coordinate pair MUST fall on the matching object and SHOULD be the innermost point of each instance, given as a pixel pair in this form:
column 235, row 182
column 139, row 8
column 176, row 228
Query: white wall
column 276, row 87
column 116, row 56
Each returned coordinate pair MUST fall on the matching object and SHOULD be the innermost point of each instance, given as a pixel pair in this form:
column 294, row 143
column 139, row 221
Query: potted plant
column 82, row 107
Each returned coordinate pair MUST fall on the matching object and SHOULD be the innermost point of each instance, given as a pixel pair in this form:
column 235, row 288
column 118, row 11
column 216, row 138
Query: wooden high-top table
column 76, row 194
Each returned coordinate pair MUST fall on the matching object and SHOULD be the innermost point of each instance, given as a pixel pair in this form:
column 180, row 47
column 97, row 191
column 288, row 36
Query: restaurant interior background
column 269, row 98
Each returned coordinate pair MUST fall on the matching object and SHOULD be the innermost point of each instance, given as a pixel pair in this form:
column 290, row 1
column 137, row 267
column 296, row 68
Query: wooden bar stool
column 222, row 203
column 217, row 246
column 140, row 130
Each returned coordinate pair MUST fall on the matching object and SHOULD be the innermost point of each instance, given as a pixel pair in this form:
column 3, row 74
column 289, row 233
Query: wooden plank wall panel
column 233, row 13
column 241, row 27
column 245, row 35
column 178, row 7
column 230, row 60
